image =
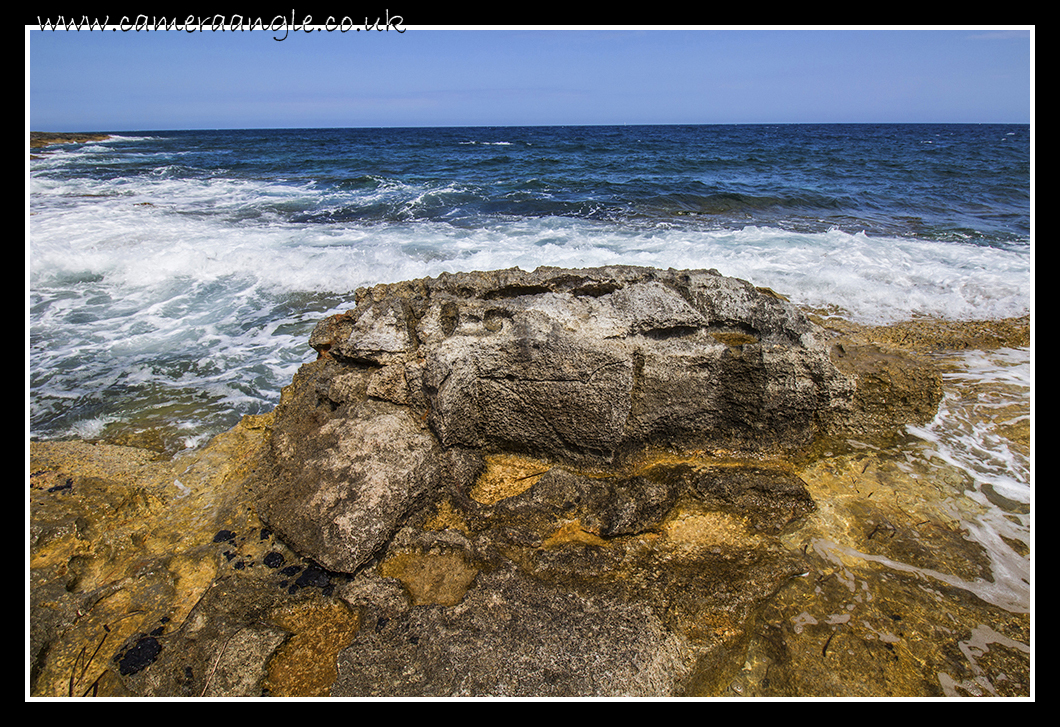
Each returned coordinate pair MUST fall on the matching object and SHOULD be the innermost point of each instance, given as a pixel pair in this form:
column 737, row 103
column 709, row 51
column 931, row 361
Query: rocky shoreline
column 41, row 139
column 605, row 520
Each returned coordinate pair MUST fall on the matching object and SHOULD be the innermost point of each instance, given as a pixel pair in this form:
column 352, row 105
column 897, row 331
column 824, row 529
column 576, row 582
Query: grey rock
column 344, row 479
column 585, row 367
column 586, row 364
column 655, row 409
column 513, row 636
column 769, row 496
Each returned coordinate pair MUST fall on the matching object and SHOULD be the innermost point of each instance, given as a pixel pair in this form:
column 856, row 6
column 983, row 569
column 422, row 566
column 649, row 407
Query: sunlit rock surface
column 834, row 555
column 585, row 368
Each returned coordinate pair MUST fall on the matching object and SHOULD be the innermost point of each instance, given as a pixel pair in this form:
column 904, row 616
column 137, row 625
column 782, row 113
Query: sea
column 173, row 277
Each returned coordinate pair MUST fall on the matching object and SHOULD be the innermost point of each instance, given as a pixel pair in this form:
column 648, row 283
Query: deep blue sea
column 174, row 277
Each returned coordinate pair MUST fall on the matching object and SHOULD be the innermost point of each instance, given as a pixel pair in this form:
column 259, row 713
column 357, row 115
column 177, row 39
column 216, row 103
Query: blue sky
column 111, row 80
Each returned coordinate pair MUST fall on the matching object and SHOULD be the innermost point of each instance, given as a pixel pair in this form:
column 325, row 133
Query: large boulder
column 585, row 368
column 606, row 451
column 585, row 365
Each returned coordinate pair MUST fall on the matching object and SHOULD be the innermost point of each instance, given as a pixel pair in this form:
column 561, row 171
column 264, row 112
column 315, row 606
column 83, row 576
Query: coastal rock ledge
column 423, row 380
column 559, row 482
column 564, row 483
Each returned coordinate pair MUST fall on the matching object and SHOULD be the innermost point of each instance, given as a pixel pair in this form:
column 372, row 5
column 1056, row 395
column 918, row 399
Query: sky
column 125, row 79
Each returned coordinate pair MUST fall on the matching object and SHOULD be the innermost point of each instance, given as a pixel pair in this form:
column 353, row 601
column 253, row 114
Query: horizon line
column 545, row 126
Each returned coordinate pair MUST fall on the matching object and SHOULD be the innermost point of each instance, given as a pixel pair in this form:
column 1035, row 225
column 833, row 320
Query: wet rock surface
column 560, row 483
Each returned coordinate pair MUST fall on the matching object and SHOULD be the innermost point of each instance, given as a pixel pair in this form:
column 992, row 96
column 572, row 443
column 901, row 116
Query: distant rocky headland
column 41, row 139
column 615, row 481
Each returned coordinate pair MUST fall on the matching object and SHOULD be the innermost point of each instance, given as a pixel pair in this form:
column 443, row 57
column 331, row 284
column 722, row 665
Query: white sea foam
column 987, row 394
column 165, row 279
column 154, row 234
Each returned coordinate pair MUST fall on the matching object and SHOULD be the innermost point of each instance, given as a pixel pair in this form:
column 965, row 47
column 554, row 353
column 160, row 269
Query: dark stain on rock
column 139, row 656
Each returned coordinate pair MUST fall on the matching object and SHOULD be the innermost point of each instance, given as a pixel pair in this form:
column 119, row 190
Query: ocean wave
column 194, row 253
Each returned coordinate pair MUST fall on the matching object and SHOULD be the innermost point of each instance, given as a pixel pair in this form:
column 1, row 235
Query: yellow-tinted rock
column 305, row 665
column 573, row 532
column 432, row 578
column 120, row 542
column 446, row 517
column 507, row 476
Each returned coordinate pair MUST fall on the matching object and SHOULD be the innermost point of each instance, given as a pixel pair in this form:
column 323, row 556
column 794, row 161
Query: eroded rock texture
column 579, row 367
column 578, row 469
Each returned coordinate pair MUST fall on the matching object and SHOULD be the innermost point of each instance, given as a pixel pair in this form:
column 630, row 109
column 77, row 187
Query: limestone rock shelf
column 41, row 139
column 603, row 482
